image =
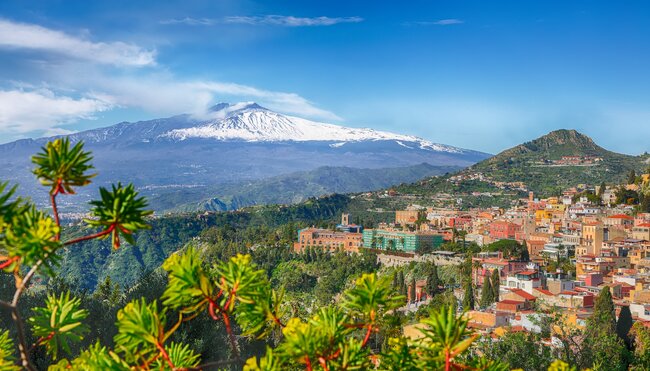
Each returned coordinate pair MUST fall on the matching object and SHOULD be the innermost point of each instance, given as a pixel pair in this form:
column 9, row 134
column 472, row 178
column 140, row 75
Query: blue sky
column 484, row 75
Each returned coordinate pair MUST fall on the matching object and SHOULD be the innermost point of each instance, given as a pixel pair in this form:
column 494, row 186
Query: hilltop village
column 546, row 255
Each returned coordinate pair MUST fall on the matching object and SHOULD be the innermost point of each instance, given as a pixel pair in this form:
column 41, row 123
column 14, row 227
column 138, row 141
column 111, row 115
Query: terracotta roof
column 523, row 294
column 510, row 302
column 643, row 225
column 526, row 273
column 545, row 292
column 621, row 216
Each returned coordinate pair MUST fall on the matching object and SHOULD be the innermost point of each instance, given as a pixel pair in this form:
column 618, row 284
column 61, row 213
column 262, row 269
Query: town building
column 384, row 239
column 327, row 240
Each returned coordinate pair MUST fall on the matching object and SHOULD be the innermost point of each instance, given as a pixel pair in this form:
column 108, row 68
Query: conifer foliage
column 487, row 293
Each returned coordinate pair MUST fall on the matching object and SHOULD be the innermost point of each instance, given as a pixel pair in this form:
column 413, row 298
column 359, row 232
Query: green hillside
column 299, row 186
column 543, row 166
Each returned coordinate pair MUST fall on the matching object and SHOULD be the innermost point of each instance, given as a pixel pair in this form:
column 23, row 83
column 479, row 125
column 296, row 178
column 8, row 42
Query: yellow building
column 406, row 217
column 638, row 253
column 543, row 214
column 641, row 232
column 640, row 295
column 591, row 241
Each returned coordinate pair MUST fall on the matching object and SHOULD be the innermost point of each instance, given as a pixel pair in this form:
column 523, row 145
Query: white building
column 526, row 280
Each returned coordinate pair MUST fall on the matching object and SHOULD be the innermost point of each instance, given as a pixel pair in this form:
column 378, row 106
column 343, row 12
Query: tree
column 640, row 336
column 644, row 205
column 624, row 324
column 507, row 247
column 626, row 196
column 487, row 293
column 520, row 350
column 433, row 281
column 30, row 240
column 412, row 291
column 292, row 276
column 607, row 350
column 601, row 191
column 495, row 279
column 631, row 179
column 233, row 292
column 603, row 318
column 422, row 219
column 401, row 283
column 525, row 255
column 468, row 297
column 108, row 292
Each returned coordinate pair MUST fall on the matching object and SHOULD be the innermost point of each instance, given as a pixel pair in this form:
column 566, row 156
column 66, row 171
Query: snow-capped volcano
column 187, row 158
column 253, row 123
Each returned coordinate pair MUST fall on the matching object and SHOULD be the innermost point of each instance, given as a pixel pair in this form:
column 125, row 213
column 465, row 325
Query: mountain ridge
column 297, row 187
column 142, row 152
column 559, row 159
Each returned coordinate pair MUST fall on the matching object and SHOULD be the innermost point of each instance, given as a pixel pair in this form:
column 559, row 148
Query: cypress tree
column 433, row 281
column 524, row 256
column 412, row 291
column 313, row 255
column 603, row 319
column 400, row 281
column 631, row 179
column 307, row 254
column 624, row 324
column 601, row 191
column 496, row 284
column 403, row 287
column 487, row 294
column 468, row 299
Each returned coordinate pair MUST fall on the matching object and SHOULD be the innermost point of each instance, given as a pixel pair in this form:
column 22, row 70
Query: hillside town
column 571, row 247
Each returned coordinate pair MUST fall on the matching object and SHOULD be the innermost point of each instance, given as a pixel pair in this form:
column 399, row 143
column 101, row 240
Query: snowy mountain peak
column 248, row 121
column 227, row 107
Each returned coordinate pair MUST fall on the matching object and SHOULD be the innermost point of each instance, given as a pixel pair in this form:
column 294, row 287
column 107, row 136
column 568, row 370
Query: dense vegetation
column 236, row 295
column 524, row 163
column 231, row 292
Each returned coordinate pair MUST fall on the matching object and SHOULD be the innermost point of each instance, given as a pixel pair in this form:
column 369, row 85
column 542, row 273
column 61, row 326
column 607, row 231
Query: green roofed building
column 400, row 241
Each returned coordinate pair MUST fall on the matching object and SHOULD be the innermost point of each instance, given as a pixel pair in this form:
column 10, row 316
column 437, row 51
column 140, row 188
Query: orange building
column 328, row 240
column 406, row 217
column 500, row 230
column 535, row 247
column 619, row 220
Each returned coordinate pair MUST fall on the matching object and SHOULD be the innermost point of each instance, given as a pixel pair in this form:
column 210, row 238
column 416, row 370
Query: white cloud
column 162, row 95
column 15, row 35
column 440, row 22
column 190, row 21
column 45, row 112
column 284, row 102
column 42, row 110
column 273, row 20
column 64, row 93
